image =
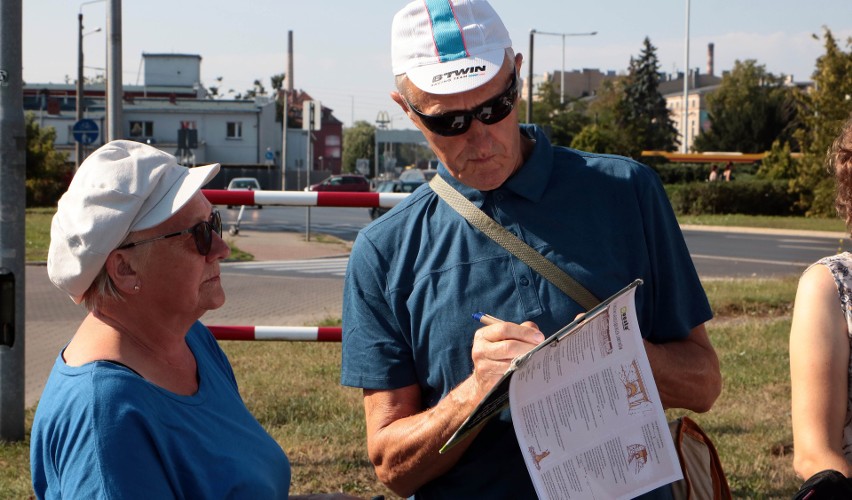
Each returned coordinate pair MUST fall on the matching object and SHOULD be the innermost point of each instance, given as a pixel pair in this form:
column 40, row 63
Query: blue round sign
column 85, row 131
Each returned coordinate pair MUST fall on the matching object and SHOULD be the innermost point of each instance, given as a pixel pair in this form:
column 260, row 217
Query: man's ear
column 122, row 272
column 395, row 95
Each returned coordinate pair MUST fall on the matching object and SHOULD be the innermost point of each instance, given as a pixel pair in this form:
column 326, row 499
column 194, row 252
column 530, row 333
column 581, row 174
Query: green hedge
column 682, row 173
column 748, row 197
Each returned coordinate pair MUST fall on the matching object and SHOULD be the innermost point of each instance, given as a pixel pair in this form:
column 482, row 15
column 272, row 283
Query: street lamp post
column 78, row 148
column 562, row 80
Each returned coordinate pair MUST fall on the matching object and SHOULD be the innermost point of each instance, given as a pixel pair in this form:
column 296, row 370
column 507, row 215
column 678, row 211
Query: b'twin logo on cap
column 470, row 71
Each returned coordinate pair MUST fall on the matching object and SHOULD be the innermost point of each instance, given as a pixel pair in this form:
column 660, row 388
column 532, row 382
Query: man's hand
column 496, row 346
column 403, row 441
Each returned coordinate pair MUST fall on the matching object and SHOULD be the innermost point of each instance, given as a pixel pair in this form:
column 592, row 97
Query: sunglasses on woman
column 201, row 232
column 458, row 122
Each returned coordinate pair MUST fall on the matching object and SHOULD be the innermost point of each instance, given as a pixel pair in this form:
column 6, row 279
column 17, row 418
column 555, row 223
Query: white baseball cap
column 122, row 187
column 448, row 46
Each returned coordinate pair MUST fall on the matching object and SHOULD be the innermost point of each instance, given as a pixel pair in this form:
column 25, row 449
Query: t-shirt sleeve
column 676, row 302
column 375, row 352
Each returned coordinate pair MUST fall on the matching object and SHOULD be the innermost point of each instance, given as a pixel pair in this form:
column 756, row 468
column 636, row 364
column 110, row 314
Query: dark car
column 342, row 182
column 393, row 187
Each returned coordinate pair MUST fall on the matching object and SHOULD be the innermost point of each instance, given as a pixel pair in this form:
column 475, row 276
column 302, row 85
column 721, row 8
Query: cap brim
column 180, row 193
column 454, row 77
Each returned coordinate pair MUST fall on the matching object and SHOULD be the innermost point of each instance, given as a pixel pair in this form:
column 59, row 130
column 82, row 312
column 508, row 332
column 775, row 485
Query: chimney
column 710, row 58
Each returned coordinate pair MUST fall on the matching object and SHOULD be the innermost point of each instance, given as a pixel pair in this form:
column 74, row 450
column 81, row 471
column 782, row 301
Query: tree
column 822, row 112
column 47, row 172
column 642, row 110
column 359, row 141
column 604, row 135
column 751, row 109
column 563, row 120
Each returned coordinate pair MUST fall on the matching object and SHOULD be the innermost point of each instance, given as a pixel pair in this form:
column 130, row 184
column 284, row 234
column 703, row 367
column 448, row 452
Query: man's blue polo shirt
column 417, row 274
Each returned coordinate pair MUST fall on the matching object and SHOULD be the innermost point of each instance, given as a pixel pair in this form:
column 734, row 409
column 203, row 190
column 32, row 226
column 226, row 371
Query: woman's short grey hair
column 103, row 289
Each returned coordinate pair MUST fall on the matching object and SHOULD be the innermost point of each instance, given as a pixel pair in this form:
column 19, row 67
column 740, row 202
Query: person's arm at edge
column 819, row 360
column 686, row 371
column 403, row 441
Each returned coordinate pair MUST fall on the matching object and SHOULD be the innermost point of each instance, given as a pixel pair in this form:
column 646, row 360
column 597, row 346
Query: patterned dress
column 840, row 266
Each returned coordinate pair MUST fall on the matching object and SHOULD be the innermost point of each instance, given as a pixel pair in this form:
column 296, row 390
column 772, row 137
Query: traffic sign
column 85, row 131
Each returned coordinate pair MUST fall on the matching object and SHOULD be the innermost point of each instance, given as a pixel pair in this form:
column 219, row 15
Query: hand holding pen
column 497, row 344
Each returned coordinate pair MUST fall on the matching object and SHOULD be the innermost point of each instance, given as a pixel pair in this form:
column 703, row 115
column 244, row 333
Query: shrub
column 751, row 197
column 682, row 173
column 47, row 173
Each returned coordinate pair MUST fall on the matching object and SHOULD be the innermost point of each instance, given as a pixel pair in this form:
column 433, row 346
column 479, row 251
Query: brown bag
column 703, row 477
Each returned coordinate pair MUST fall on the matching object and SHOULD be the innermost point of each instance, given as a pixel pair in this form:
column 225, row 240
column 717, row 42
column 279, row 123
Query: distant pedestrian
column 714, row 173
column 727, row 173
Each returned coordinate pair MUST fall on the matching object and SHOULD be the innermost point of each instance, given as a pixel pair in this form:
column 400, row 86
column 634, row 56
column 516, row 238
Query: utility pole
column 286, row 90
column 686, row 86
column 78, row 148
column 530, row 79
column 115, row 89
column 13, row 143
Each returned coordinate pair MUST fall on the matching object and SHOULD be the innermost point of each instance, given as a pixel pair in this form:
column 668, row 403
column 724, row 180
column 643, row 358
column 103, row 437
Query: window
column 141, row 129
column 235, row 130
column 332, row 146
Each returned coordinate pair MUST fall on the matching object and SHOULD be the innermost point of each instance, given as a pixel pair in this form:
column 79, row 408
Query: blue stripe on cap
column 445, row 29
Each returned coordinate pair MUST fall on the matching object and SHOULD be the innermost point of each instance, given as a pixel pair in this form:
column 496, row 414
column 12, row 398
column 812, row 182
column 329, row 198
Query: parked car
column 416, row 174
column 244, row 184
column 395, row 186
column 342, row 182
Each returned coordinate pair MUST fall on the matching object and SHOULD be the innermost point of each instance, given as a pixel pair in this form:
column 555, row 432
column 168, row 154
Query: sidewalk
column 281, row 245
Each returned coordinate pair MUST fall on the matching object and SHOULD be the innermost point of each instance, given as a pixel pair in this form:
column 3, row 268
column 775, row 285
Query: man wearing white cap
column 417, row 274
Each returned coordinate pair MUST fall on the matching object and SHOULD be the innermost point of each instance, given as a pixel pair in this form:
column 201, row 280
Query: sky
column 342, row 47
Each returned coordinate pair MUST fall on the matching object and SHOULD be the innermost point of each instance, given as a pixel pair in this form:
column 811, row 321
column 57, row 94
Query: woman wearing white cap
column 142, row 402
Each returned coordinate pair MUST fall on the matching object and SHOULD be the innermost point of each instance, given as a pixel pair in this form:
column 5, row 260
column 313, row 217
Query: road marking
column 335, row 266
column 754, row 261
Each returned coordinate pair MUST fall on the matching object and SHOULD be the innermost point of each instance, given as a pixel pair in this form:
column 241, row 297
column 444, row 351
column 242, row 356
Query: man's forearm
column 404, row 451
column 686, row 372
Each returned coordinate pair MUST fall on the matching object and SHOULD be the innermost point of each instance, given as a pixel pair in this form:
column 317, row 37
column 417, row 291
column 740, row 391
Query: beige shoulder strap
column 513, row 244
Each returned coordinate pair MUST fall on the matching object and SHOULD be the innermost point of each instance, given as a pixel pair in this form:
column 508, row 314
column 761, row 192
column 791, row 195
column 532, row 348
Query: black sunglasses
column 458, row 122
column 201, row 232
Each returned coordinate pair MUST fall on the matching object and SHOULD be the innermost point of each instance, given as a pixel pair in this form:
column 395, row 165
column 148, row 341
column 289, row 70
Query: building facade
column 171, row 101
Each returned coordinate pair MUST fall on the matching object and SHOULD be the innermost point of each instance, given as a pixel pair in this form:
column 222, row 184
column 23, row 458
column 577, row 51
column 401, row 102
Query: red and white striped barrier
column 303, row 198
column 291, row 333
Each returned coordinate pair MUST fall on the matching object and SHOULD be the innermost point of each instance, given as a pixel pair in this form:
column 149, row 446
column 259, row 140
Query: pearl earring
column 136, row 287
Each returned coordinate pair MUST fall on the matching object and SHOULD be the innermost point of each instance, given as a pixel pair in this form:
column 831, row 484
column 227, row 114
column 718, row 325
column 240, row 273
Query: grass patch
column 15, row 464
column 751, row 296
column 37, row 232
column 293, row 390
column 236, row 253
column 765, row 221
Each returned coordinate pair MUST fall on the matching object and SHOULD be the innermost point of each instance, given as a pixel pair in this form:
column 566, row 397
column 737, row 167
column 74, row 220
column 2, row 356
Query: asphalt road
column 717, row 252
